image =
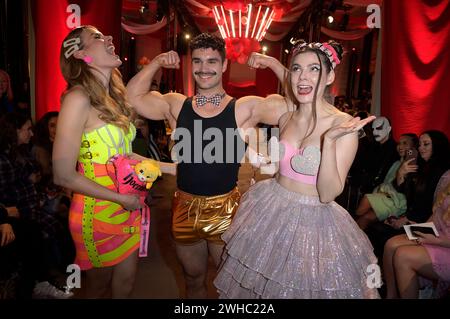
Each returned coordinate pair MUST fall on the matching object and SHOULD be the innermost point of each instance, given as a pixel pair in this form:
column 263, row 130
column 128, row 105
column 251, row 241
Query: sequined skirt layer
column 282, row 244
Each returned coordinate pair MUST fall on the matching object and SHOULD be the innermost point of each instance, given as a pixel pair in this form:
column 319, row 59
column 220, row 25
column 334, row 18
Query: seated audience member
column 385, row 201
column 55, row 200
column 7, row 236
column 404, row 260
column 382, row 154
column 6, row 94
column 44, row 135
column 18, row 175
column 9, row 265
column 418, row 183
column 377, row 151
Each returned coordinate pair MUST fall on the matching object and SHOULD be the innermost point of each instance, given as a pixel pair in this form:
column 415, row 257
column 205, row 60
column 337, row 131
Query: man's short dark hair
column 206, row 41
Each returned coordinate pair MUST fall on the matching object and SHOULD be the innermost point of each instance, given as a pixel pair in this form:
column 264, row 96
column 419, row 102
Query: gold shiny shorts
column 202, row 217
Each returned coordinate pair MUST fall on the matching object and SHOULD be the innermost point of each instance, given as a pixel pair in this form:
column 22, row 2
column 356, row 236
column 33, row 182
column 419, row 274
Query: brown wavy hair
column 299, row 47
column 112, row 105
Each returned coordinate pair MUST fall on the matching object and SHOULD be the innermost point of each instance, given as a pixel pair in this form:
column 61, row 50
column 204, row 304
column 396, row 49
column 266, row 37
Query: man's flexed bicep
column 254, row 109
column 156, row 106
column 152, row 104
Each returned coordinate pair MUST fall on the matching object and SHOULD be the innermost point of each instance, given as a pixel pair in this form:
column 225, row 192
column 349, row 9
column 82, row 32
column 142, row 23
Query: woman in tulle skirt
column 289, row 239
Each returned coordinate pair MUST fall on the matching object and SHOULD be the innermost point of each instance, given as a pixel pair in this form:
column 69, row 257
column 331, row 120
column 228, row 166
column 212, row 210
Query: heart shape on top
column 308, row 162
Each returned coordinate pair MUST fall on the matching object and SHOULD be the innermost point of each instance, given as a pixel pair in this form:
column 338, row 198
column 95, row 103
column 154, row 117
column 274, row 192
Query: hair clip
column 73, row 46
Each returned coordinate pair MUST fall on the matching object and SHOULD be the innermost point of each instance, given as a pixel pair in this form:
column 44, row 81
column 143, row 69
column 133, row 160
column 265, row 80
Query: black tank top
column 208, row 151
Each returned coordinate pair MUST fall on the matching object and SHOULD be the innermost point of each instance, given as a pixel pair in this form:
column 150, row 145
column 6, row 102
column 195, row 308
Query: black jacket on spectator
column 16, row 189
column 372, row 162
column 419, row 190
column 381, row 158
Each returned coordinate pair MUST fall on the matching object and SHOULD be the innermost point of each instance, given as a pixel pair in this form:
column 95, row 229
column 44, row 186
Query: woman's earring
column 87, row 59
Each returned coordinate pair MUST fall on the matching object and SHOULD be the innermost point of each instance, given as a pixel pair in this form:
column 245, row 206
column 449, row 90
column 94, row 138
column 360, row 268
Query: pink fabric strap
column 145, row 231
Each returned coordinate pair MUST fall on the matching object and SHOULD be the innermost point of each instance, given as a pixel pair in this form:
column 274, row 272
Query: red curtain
column 416, row 64
column 50, row 27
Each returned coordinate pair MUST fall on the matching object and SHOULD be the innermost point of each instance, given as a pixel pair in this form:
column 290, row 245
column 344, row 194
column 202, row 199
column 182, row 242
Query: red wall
column 49, row 18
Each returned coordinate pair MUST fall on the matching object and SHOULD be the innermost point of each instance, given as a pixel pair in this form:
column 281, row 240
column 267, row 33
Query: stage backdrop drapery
column 416, row 63
column 49, row 19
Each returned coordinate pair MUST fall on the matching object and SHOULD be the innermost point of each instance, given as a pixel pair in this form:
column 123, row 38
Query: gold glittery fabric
column 202, row 217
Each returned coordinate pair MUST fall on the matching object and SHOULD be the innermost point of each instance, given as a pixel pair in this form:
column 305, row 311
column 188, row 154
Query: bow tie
column 201, row 100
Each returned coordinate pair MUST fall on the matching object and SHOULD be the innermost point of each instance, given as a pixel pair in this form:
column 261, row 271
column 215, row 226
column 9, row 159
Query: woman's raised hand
column 347, row 127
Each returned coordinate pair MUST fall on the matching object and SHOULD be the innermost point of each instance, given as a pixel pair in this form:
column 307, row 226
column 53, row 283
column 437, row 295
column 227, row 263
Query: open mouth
column 110, row 50
column 304, row 89
column 204, row 75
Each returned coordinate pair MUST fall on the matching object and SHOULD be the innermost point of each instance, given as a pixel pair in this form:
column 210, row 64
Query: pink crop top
column 299, row 164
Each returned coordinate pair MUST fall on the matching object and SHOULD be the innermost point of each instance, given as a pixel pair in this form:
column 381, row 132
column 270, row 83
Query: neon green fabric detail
column 88, row 221
column 104, row 181
column 119, row 251
column 101, row 144
column 105, row 214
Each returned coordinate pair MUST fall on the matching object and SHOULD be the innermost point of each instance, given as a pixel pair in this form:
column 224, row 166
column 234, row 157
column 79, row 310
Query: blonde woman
column 6, row 93
column 93, row 125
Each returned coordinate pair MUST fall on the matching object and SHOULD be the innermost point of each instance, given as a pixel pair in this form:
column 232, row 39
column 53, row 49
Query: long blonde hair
column 9, row 92
column 112, row 105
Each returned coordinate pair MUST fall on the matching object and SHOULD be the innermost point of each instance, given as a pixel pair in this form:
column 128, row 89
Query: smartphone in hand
column 411, row 153
column 423, row 230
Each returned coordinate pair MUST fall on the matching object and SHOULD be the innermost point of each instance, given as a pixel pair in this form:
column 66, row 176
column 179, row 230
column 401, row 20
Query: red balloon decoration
column 239, row 49
column 243, row 24
column 236, row 5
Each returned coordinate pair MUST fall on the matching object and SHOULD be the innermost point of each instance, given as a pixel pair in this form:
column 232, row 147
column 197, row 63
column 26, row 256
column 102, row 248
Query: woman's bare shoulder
column 76, row 93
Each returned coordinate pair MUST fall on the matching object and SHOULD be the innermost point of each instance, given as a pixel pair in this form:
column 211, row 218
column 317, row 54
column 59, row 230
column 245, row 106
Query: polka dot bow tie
column 201, row 100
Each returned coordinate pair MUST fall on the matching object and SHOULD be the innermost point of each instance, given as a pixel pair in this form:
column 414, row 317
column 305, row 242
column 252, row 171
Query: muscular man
column 207, row 196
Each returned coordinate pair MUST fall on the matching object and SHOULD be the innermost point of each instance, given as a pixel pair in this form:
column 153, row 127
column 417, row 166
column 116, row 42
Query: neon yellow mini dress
column 104, row 232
